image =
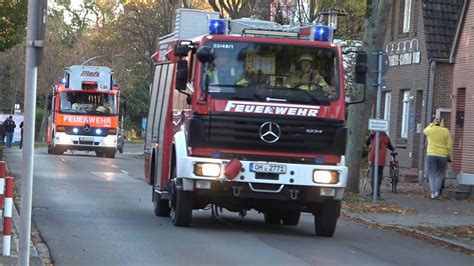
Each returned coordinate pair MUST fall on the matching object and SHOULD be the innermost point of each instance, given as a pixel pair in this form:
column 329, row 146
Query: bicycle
column 394, row 171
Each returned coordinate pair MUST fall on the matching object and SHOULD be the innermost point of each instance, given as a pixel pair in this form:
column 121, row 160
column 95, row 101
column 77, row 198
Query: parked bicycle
column 394, row 171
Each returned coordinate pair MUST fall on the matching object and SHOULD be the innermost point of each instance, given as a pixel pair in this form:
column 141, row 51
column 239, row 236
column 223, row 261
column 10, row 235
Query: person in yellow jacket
column 439, row 151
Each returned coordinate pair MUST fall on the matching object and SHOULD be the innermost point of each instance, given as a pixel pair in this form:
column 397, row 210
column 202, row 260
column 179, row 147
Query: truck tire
column 325, row 219
column 99, row 153
column 291, row 218
column 110, row 154
column 181, row 206
column 50, row 150
column 272, row 217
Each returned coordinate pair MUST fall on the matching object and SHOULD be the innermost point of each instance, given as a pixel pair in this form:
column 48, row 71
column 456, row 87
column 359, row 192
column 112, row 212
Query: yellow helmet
column 306, row 57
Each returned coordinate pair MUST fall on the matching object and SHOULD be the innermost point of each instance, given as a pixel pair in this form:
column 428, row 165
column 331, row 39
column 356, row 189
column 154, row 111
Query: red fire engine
column 229, row 125
column 84, row 112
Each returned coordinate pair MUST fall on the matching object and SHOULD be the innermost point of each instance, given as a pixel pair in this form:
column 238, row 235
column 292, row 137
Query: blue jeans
column 379, row 178
column 9, row 139
column 436, row 172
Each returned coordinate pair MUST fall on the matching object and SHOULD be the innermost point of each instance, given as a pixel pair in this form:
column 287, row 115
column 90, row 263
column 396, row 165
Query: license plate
column 268, row 168
column 86, row 138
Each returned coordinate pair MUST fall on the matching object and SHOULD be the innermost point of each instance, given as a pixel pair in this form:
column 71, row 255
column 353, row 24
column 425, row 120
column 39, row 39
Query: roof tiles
column 441, row 20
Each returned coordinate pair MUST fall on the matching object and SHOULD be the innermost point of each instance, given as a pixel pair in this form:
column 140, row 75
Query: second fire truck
column 84, row 112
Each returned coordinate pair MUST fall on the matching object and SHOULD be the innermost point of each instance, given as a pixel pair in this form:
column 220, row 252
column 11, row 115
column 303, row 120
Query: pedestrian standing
column 9, row 127
column 384, row 144
column 21, row 136
column 439, row 151
column 2, row 134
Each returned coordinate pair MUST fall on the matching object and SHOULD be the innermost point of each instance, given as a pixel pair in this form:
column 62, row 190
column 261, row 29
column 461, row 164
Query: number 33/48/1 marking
column 223, row 46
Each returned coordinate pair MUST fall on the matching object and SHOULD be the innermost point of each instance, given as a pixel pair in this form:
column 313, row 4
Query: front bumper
column 77, row 142
column 295, row 182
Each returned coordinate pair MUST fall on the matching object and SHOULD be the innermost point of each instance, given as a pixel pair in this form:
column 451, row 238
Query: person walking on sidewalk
column 384, row 144
column 439, row 151
column 21, row 138
column 9, row 127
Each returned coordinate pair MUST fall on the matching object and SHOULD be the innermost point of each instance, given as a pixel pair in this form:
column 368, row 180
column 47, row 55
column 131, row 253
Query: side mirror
column 182, row 75
column 49, row 102
column 181, row 50
column 361, row 68
column 205, row 54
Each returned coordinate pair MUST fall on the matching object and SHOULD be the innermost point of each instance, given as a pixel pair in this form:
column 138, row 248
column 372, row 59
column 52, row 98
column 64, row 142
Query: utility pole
column 34, row 46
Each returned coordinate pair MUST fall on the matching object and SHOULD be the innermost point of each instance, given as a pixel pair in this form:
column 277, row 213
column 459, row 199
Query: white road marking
column 114, row 166
column 123, row 171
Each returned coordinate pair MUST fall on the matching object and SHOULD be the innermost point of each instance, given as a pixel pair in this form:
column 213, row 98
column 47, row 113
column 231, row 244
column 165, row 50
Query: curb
column 467, row 248
column 36, row 250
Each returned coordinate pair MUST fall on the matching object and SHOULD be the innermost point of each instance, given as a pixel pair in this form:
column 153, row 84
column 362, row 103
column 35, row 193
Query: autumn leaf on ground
column 363, row 204
column 464, row 234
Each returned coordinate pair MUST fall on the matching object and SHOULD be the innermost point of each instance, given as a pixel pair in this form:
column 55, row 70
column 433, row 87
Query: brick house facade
column 418, row 41
column 462, row 115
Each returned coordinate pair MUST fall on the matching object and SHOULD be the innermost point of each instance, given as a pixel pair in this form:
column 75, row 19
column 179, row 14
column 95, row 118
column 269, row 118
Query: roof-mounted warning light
column 217, row 26
column 322, row 33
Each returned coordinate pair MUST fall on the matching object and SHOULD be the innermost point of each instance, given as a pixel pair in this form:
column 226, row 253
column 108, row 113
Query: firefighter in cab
column 306, row 77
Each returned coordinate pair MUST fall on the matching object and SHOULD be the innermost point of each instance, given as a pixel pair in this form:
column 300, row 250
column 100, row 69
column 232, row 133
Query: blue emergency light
column 217, row 26
column 63, row 81
column 322, row 33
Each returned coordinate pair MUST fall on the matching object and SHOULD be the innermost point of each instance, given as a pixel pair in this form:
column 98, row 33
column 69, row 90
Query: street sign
column 378, row 125
column 374, row 59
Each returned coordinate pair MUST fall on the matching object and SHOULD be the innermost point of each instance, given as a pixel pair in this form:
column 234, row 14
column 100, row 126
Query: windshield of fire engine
column 87, row 103
column 273, row 72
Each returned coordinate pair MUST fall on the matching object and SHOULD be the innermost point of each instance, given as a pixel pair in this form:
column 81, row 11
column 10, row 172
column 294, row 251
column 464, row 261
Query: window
column 406, row 16
column 405, row 113
column 387, row 107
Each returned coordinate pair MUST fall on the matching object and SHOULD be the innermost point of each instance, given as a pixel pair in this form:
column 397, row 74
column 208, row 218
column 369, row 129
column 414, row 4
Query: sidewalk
column 412, row 212
column 35, row 259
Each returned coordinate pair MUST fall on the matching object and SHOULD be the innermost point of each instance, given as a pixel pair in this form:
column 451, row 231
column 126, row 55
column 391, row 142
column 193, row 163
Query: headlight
column 207, row 169
column 325, row 177
column 110, row 140
column 63, row 139
column 75, row 130
column 98, row 131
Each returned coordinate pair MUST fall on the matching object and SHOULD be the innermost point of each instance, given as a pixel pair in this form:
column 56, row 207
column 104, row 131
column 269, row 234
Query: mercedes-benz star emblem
column 270, row 132
column 87, row 128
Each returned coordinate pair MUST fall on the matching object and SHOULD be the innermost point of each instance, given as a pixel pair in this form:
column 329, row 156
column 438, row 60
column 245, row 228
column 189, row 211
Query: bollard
column 3, row 173
column 7, row 218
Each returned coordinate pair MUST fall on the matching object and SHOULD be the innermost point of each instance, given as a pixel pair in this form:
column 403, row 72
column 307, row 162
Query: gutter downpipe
column 429, row 112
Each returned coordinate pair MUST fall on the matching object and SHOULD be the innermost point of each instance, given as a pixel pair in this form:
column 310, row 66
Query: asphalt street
column 98, row 211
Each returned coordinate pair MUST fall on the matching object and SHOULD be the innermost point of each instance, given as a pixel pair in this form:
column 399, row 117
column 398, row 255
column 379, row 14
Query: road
column 98, row 211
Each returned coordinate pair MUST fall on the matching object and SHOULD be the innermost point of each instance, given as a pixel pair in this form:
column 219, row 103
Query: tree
column 234, row 8
column 376, row 21
column 13, row 16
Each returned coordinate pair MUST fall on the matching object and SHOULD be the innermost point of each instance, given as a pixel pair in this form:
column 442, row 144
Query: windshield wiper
column 314, row 99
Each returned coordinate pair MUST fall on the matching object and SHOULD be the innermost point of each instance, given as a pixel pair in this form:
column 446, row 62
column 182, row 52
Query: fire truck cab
column 235, row 122
column 84, row 112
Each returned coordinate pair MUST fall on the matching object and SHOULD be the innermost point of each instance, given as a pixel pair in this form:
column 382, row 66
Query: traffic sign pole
column 380, row 73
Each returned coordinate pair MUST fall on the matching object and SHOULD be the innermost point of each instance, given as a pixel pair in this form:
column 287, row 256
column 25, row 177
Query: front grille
column 81, row 131
column 298, row 135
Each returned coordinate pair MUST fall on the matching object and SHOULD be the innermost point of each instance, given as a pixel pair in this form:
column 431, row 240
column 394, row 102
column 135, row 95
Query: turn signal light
column 111, row 131
column 60, row 129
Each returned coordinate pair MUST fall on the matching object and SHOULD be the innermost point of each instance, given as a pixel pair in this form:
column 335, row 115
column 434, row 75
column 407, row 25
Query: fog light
column 207, row 169
column 325, row 177
column 98, row 131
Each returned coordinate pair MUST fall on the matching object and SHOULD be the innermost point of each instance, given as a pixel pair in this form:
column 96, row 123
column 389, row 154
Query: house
column 462, row 115
column 419, row 42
